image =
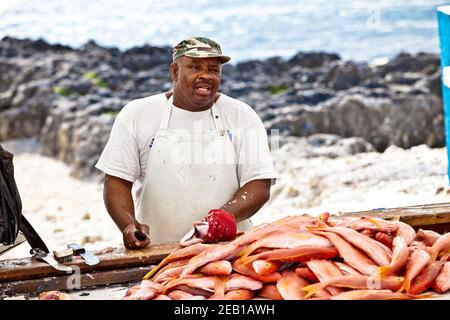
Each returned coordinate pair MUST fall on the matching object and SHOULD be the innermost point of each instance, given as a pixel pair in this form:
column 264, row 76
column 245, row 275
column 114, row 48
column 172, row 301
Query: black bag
column 11, row 218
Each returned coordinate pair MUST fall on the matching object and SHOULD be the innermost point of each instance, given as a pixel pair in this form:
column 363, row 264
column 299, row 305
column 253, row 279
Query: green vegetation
column 64, row 91
column 95, row 80
column 90, row 75
column 276, row 89
column 111, row 113
column 100, row 83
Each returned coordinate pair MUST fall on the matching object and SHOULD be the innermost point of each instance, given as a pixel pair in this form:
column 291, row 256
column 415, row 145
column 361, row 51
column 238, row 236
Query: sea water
column 251, row 29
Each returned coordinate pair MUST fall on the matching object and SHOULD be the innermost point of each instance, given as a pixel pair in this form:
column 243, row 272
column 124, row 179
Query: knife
column 88, row 257
column 41, row 255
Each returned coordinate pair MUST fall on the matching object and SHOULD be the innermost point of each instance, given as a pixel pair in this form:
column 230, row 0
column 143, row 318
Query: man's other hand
column 222, row 226
column 136, row 236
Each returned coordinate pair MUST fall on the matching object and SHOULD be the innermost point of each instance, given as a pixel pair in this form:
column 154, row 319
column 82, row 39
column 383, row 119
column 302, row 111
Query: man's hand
column 221, row 226
column 136, row 236
column 119, row 203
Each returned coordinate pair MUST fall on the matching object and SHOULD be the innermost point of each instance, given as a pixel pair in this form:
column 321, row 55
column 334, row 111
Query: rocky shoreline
column 67, row 98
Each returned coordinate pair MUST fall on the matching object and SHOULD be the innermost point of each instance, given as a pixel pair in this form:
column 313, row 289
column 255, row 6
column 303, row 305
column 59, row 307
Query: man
column 193, row 154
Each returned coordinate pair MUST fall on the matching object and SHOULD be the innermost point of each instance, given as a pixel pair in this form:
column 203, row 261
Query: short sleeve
column 254, row 157
column 120, row 157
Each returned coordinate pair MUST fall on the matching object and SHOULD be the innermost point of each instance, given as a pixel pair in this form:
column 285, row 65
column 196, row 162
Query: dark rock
column 11, row 47
column 405, row 62
column 314, row 96
column 433, row 83
column 321, row 139
column 343, row 76
column 146, row 57
column 323, row 145
column 313, row 59
column 22, row 122
column 404, row 120
column 404, row 78
column 68, row 98
column 374, row 84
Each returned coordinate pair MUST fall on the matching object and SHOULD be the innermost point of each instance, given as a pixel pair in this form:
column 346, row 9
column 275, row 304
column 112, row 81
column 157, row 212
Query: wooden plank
column 415, row 216
column 29, row 268
column 33, row 287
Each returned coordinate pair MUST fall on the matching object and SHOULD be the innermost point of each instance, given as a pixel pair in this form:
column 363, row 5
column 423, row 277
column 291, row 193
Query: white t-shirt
column 126, row 152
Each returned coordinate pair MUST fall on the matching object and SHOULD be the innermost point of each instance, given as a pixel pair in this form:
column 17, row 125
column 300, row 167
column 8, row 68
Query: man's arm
column 120, row 206
column 249, row 199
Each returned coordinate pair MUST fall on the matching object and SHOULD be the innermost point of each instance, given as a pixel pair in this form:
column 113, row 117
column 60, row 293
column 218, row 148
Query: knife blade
column 88, row 257
column 41, row 255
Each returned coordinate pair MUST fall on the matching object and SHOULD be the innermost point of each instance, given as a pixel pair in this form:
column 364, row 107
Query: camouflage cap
column 199, row 47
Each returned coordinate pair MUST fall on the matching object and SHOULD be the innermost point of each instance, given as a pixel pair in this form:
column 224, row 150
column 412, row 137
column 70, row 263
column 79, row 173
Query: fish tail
column 424, row 296
column 323, row 218
column 405, row 286
column 383, row 271
column 244, row 253
column 319, row 227
column 375, row 222
column 312, row 289
column 151, row 273
column 170, row 284
column 219, row 288
column 443, row 256
column 248, row 259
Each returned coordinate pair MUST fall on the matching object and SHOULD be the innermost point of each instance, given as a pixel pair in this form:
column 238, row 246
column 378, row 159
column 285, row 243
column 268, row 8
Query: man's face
column 196, row 82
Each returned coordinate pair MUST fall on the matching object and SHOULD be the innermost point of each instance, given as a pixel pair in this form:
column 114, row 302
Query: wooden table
column 27, row 275
column 122, row 266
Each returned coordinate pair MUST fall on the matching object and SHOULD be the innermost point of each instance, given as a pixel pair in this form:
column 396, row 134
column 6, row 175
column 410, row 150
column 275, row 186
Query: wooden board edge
column 71, row 283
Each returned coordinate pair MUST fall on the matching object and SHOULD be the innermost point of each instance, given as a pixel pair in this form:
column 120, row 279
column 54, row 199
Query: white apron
column 188, row 174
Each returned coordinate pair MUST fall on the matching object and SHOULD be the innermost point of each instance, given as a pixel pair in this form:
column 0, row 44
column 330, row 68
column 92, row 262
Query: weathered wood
column 27, row 275
column 33, row 287
column 429, row 216
column 29, row 268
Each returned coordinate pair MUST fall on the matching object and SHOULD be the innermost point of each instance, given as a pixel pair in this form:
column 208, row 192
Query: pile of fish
column 305, row 257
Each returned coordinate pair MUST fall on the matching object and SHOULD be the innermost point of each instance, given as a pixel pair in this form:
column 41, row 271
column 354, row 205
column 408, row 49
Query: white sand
column 61, row 208
column 64, row 209
column 363, row 181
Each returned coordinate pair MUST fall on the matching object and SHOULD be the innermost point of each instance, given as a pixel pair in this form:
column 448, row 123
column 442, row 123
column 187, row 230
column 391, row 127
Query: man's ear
column 174, row 67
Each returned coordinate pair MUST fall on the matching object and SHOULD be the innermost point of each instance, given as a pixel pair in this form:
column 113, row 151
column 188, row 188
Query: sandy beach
column 364, row 181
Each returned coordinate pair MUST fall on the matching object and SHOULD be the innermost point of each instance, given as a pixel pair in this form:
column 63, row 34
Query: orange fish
column 373, row 295
column 290, row 285
column 263, row 267
column 270, row 291
column 217, row 268
column 179, row 254
column 145, row 290
column 399, row 256
column 442, row 282
column 288, row 240
column 442, row 245
column 417, row 262
column 239, row 294
column 366, row 244
column 425, row 279
column 244, row 269
column 324, row 270
column 351, row 255
column 356, row 282
column 299, row 254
